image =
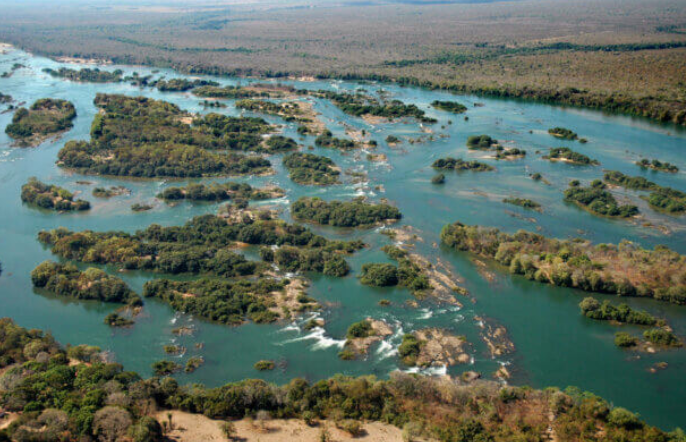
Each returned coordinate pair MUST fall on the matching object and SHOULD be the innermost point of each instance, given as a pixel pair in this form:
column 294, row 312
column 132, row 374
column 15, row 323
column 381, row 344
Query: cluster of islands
column 55, row 392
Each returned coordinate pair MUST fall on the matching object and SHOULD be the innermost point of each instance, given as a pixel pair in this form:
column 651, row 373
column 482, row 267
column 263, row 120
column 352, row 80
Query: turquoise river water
column 555, row 345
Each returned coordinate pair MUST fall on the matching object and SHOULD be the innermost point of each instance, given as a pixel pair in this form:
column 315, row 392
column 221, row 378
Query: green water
column 554, row 344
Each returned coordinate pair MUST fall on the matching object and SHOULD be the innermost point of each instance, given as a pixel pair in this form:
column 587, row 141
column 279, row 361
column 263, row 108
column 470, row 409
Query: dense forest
column 459, row 164
column 73, row 395
column 91, row 284
column 87, row 75
column 200, row 246
column 625, row 269
column 307, row 168
column 50, row 196
column 598, row 200
column 219, row 192
column 46, row 117
column 343, row 213
column 142, row 137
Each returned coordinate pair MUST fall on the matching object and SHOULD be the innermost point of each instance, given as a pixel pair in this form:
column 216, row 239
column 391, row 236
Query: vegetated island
column 523, row 202
column 625, row 269
column 598, row 200
column 45, row 118
column 109, row 192
column 664, row 199
column 459, row 165
column 405, row 274
column 622, row 313
column 91, row 284
column 201, row 246
column 142, row 137
column 296, row 111
column 564, row 133
column 433, row 347
column 180, row 84
column 261, row 300
column 481, row 142
column 450, row 106
column 522, row 412
column 657, row 165
column 362, row 335
column 356, row 213
column 370, row 108
column 327, row 140
column 220, row 192
column 567, row 155
column 50, row 196
column 86, row 75
column 310, row 169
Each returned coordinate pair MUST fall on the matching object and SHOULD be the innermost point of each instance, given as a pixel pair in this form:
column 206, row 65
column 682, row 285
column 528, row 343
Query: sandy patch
column 196, row 427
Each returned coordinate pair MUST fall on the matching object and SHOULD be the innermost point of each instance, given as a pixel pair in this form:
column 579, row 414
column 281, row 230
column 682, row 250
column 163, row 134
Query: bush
column 623, row 339
column 379, row 275
column 621, row 417
column 264, row 365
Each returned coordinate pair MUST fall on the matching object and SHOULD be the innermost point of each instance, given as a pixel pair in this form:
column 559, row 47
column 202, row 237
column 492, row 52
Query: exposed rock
column 439, row 347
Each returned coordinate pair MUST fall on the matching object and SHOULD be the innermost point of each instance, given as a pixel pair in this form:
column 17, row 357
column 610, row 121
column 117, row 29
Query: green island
column 139, row 207
column 50, row 196
column 45, row 118
column 326, row 139
column 105, row 192
column 598, row 200
column 228, row 302
column 289, row 111
column 480, row 142
column 662, row 337
column 86, row 75
column 508, row 154
column 142, row 137
column 459, row 164
column 563, row 133
column 523, row 202
column 450, row 106
column 91, row 284
column 117, row 321
column 567, row 155
column 5, row 98
column 625, row 269
column 405, row 274
column 220, row 192
column 622, row 313
column 439, row 178
column 76, row 406
column 362, row 105
column 664, row 199
column 201, row 246
column 227, row 92
column 180, row 84
column 264, row 365
column 655, row 164
column 310, row 169
column 343, row 213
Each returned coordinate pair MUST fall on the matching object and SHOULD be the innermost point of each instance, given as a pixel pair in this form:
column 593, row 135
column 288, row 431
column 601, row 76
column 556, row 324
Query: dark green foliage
column 570, row 156
column 45, row 117
column 623, row 269
column 599, row 201
column 343, row 213
column 165, row 368
column 450, row 106
column 181, row 84
column 200, row 246
column 438, row 179
column 221, row 301
column 360, row 104
column 93, row 284
column 459, row 164
column 657, row 165
column 103, row 192
column 523, row 202
column 481, row 142
column 87, row 75
column 635, row 183
column 326, row 139
column 114, row 320
column 625, row 340
column 361, row 329
column 49, row 196
column 142, row 137
column 409, row 349
column 504, row 154
column 392, row 139
column 409, row 274
column 279, row 143
column 226, row 92
column 306, row 168
column 564, row 133
column 664, row 199
column 591, row 308
column 218, row 192
column 264, row 365
column 138, row 207
column 660, row 336
column 379, row 274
